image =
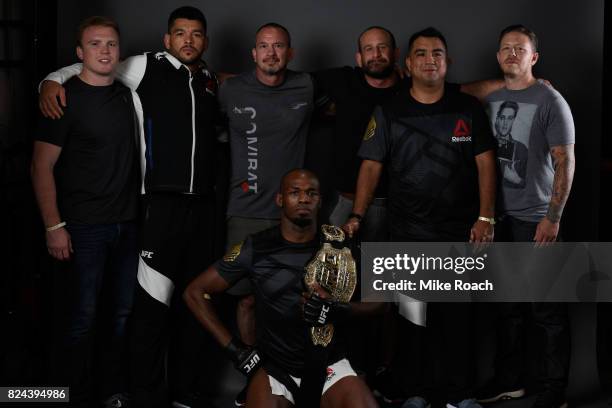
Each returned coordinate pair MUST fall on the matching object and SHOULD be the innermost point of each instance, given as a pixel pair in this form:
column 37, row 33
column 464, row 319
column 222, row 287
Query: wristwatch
column 487, row 219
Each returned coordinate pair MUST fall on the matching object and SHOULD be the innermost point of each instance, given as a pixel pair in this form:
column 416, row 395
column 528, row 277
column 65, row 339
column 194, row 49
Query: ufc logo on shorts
column 252, row 363
column 146, row 254
column 323, row 314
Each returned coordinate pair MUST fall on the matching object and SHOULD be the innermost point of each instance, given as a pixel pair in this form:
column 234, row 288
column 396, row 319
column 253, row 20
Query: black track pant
column 177, row 244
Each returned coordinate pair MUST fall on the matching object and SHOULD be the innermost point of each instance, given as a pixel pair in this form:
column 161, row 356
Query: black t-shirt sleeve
column 54, row 131
column 330, row 84
column 237, row 262
column 375, row 142
column 483, row 139
column 326, row 81
column 452, row 87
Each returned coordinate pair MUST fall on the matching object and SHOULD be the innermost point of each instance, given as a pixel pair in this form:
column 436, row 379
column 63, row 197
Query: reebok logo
column 462, row 132
column 146, row 254
column 461, row 128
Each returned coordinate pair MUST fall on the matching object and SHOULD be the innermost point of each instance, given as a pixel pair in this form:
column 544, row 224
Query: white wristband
column 487, row 219
column 56, row 226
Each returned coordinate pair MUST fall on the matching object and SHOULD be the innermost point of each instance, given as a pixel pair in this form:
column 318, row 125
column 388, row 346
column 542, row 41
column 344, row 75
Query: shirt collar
column 173, row 60
column 177, row 64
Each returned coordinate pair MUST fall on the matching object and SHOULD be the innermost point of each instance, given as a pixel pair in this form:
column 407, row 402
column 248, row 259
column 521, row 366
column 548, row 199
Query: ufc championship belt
column 333, row 268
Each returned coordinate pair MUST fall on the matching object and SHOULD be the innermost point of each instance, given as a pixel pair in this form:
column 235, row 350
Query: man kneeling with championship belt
column 290, row 323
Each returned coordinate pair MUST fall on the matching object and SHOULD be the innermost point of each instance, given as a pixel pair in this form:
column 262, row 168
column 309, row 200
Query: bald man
column 274, row 260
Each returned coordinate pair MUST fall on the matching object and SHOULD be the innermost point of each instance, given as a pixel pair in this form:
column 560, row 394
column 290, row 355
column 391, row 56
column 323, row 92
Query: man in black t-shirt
column 85, row 177
column 438, row 149
column 352, row 93
column 176, row 104
column 274, row 261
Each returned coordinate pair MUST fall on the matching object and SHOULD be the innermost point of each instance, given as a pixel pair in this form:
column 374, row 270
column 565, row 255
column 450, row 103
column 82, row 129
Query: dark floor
column 593, row 401
column 18, row 363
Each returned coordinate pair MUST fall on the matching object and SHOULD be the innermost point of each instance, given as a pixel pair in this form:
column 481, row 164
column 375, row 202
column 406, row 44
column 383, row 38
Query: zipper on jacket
column 193, row 131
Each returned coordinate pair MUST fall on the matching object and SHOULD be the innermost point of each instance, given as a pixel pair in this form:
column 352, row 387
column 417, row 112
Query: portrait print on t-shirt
column 512, row 123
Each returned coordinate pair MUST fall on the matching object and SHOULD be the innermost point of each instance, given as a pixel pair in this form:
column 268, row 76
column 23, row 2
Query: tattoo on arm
column 564, row 163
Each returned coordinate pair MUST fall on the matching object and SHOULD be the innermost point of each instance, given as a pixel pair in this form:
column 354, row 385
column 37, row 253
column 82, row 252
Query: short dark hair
column 278, row 26
column 389, row 33
column 95, row 21
column 508, row 104
column 519, row 28
column 300, row 170
column 189, row 13
column 429, row 32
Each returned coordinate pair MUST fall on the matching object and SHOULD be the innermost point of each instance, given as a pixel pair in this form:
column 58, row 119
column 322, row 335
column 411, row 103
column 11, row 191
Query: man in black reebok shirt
column 352, row 94
column 85, row 177
column 274, row 261
column 438, row 149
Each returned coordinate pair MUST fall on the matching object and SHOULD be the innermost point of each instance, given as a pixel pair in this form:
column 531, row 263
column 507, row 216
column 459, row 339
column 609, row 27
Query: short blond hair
column 99, row 21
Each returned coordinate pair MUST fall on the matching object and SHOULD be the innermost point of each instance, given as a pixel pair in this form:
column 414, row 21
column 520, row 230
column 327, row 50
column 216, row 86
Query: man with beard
column 268, row 111
column 352, row 93
column 531, row 209
column 439, row 151
column 175, row 101
column 274, row 260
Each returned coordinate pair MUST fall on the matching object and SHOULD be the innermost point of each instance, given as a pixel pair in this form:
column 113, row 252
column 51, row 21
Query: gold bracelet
column 486, row 219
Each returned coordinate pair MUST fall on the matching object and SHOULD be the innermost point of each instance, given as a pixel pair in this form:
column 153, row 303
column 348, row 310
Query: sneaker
column 550, row 399
column 494, row 392
column 416, row 402
column 118, row 400
column 241, row 397
column 466, row 403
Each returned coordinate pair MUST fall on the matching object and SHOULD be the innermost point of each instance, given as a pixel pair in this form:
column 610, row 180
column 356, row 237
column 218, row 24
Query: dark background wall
column 324, row 35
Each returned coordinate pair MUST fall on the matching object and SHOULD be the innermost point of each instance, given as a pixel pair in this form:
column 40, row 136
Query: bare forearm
column 206, row 314
column 486, row 187
column 43, row 183
column 485, row 163
column 369, row 174
column 565, row 164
